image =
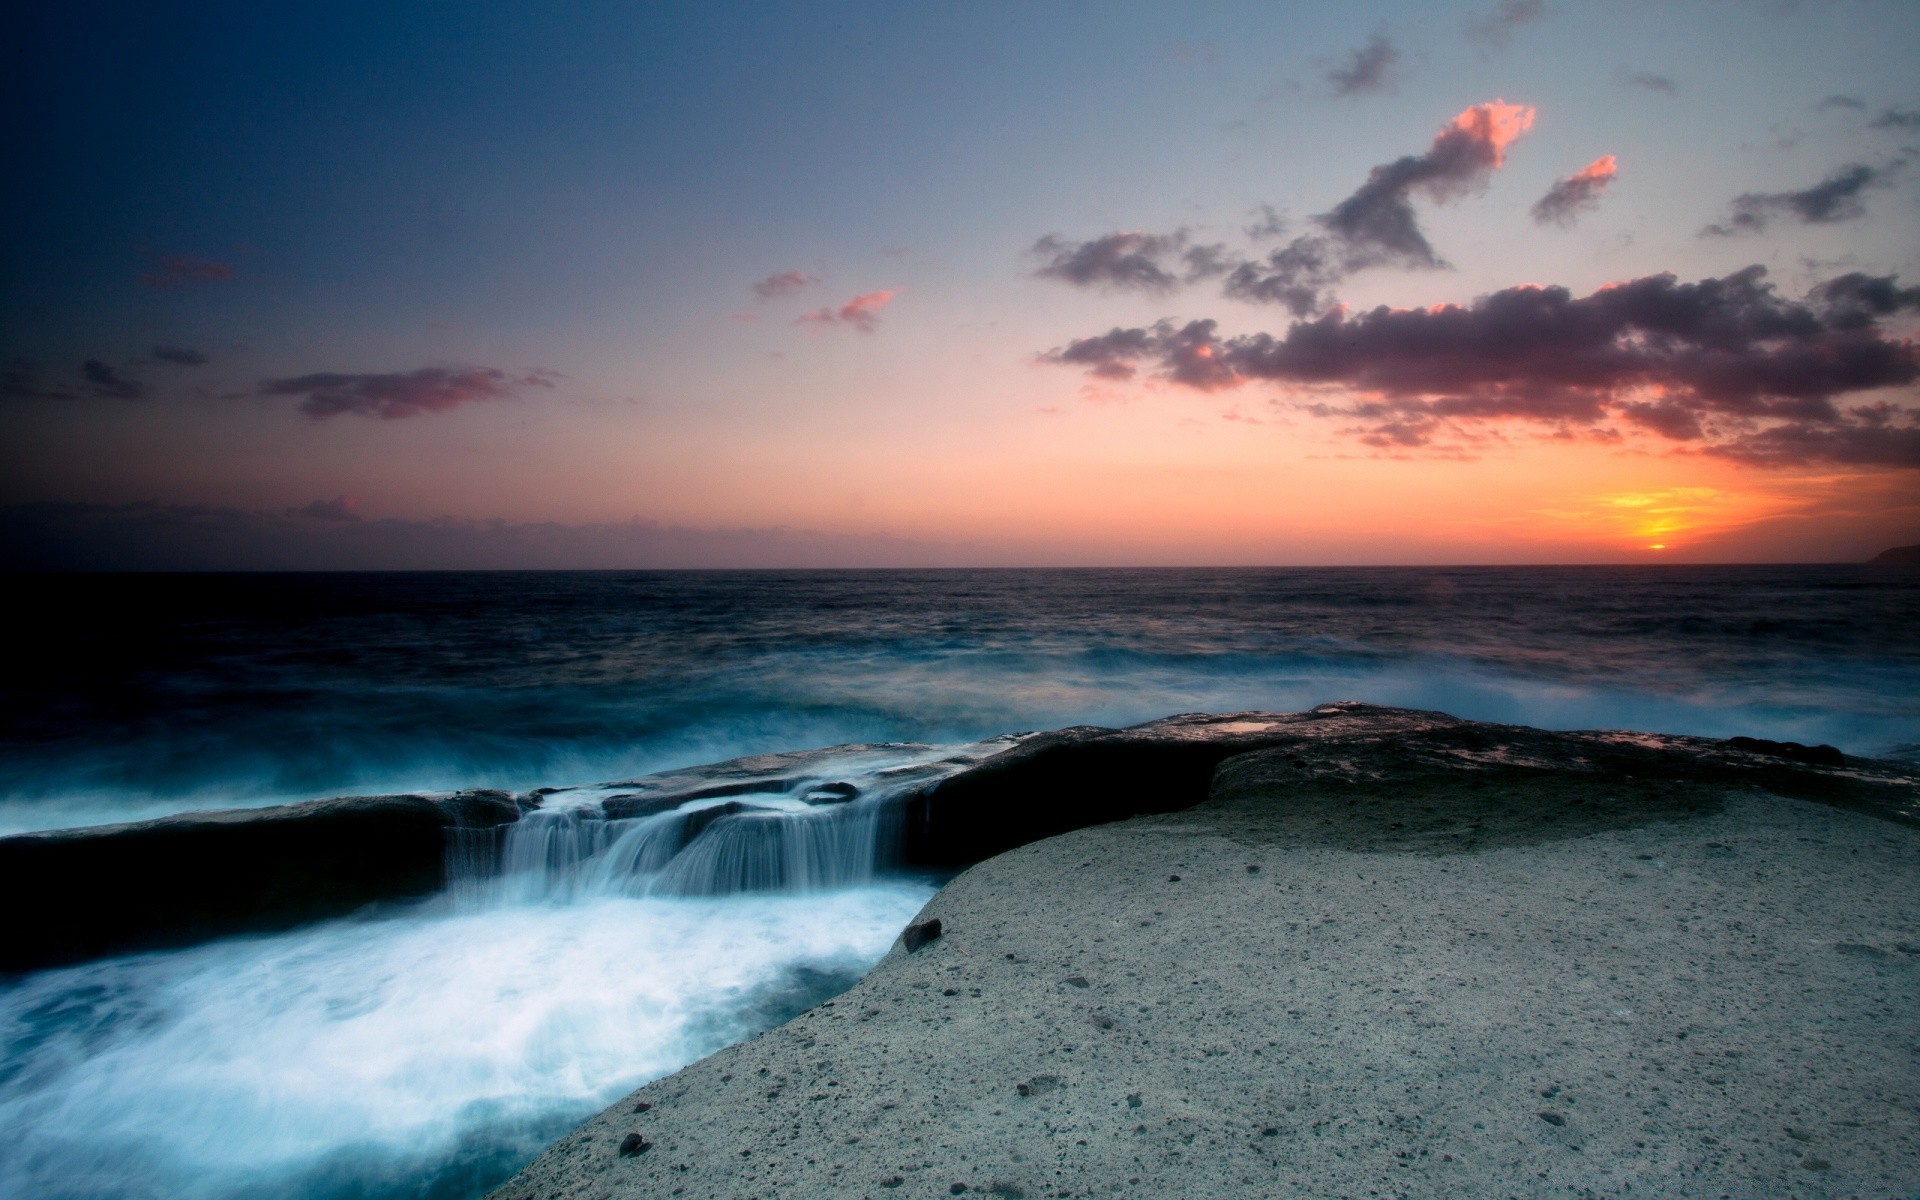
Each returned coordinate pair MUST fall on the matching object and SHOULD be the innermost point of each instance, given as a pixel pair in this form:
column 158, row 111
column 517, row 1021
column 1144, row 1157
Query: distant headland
column 1899, row 556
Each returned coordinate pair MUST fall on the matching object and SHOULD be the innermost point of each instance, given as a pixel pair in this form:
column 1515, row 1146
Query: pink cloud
column 862, row 312
column 1580, row 191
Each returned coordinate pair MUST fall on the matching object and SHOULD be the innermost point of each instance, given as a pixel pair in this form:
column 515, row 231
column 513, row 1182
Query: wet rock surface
column 183, row 879
column 1405, row 956
column 1072, row 778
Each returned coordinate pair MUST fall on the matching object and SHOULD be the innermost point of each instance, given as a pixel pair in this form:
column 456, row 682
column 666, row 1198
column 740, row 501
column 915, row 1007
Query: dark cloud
column 1835, row 198
column 20, row 380
column 1376, row 225
column 1129, row 261
column 1494, row 29
column 1649, row 81
column 783, row 283
column 398, row 394
column 862, row 313
column 1368, row 69
column 185, row 270
column 1576, row 193
column 1853, row 102
column 103, row 380
column 179, row 356
column 1725, row 365
column 340, row 508
column 177, row 537
column 1268, row 223
column 1897, row 118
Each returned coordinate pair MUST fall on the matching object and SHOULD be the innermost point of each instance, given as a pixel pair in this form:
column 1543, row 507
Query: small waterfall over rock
column 777, row 823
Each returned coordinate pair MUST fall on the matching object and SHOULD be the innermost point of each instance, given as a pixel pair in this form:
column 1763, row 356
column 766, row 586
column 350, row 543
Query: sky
column 861, row 284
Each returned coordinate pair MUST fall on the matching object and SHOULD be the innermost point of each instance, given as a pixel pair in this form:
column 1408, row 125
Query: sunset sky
column 489, row 285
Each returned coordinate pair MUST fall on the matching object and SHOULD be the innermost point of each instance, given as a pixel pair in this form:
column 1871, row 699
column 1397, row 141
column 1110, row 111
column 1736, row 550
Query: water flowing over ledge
column 793, row 822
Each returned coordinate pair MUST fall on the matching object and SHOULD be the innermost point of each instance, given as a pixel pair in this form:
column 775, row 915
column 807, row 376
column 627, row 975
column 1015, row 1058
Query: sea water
column 428, row 1050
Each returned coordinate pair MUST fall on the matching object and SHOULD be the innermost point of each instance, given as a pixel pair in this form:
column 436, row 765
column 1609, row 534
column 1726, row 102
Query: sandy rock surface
column 1392, row 954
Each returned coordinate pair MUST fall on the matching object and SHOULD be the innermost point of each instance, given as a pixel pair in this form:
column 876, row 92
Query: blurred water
column 133, row 696
column 427, row 1052
column 426, row 1055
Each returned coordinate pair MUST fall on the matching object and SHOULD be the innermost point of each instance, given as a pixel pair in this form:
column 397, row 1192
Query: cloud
column 1376, row 225
column 399, row 394
column 1575, row 194
column 1368, row 69
column 179, row 356
column 1129, row 261
column 783, row 283
column 1835, row 198
column 102, row 380
column 328, row 535
column 1496, row 28
column 1853, row 102
column 1649, row 81
column 1268, row 224
column 340, row 508
column 185, row 270
column 1897, row 118
column 20, row 380
column 861, row 312
column 1725, row 366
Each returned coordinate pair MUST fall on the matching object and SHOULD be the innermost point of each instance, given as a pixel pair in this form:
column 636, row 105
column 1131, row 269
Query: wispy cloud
column 783, row 283
column 397, row 395
column 340, row 508
column 185, row 270
column 1649, row 81
column 1835, row 198
column 1576, row 193
column 103, row 380
column 1127, row 261
column 1367, row 69
column 1376, row 225
column 1897, row 118
column 1495, row 28
column 1724, row 366
column 862, row 313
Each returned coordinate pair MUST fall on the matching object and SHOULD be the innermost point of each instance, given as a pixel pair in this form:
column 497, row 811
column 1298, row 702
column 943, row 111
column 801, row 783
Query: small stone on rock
column 919, row 934
column 1553, row 1118
column 633, row 1144
column 1078, row 981
column 641, row 1107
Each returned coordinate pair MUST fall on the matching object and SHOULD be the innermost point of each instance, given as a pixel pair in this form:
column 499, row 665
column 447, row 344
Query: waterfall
column 742, row 844
column 809, row 821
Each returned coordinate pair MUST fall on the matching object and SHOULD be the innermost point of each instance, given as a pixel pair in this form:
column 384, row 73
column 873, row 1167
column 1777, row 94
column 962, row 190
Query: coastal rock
column 1073, row 778
column 802, row 771
column 1897, row 556
column 1641, row 930
column 919, row 934
column 204, row 875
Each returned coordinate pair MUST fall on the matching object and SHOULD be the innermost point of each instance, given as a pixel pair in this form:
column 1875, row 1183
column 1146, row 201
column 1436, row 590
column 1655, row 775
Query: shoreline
column 1444, row 958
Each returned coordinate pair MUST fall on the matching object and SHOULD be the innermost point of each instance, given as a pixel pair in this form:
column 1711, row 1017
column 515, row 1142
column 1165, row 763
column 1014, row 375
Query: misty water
column 428, row 1049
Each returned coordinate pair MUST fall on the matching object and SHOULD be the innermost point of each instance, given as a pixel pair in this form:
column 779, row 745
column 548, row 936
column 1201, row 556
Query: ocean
column 426, row 1051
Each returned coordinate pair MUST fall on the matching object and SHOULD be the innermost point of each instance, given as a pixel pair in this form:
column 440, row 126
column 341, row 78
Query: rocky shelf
column 1349, row 952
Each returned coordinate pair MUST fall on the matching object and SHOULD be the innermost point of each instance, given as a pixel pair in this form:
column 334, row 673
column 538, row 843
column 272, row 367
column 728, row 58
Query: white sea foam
column 330, row 1051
